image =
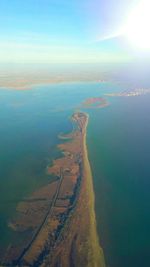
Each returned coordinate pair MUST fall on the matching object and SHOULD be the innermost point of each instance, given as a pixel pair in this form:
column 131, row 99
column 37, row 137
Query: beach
column 96, row 257
column 80, row 245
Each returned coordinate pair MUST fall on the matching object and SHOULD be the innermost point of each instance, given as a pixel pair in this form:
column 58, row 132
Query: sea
column 119, row 153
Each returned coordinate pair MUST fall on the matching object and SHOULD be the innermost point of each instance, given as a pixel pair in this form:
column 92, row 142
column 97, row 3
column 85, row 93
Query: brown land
column 95, row 102
column 24, row 80
column 59, row 219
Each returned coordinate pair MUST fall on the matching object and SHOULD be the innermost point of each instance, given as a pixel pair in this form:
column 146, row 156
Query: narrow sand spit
column 96, row 257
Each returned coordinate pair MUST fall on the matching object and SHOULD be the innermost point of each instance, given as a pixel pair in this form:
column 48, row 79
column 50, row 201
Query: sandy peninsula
column 59, row 219
column 96, row 252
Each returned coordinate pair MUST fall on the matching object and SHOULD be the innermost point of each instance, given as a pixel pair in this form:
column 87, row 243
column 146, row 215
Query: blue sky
column 62, row 31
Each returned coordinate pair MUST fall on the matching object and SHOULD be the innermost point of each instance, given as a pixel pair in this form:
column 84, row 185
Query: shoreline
column 96, row 257
column 60, row 232
column 30, row 86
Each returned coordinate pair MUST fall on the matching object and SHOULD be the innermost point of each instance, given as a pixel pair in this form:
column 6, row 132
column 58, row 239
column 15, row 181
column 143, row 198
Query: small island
column 59, row 219
column 95, row 102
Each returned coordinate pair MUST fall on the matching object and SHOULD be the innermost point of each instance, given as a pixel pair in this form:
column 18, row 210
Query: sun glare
column 137, row 29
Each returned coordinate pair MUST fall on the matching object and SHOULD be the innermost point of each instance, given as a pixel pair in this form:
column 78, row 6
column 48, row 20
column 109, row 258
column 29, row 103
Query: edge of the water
column 96, row 257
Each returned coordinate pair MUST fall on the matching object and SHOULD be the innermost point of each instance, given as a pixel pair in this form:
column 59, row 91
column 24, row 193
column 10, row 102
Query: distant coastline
column 28, row 81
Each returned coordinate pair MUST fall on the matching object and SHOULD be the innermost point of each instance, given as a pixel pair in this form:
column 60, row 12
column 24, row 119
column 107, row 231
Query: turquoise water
column 31, row 121
column 28, row 138
column 119, row 152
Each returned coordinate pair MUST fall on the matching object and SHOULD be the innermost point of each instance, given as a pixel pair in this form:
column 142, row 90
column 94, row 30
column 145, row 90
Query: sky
column 64, row 31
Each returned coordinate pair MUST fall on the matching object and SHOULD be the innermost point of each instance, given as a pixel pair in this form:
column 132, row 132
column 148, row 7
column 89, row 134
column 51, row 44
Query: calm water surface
column 119, row 151
column 119, row 146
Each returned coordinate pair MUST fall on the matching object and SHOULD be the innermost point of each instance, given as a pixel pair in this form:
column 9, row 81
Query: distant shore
column 27, row 82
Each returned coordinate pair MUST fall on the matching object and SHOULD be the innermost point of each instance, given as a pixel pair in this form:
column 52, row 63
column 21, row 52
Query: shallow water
column 31, row 121
column 119, row 149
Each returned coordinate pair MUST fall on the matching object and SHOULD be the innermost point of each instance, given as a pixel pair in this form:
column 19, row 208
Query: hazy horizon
column 40, row 32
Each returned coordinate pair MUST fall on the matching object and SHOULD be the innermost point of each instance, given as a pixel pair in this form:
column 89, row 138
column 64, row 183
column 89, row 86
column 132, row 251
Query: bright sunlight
column 137, row 28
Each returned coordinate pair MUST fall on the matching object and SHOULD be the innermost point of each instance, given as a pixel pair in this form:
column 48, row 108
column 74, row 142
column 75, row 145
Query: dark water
column 119, row 151
column 119, row 147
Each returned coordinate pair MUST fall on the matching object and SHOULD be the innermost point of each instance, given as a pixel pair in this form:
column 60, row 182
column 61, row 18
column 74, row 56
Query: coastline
column 96, row 256
column 62, row 214
column 31, row 85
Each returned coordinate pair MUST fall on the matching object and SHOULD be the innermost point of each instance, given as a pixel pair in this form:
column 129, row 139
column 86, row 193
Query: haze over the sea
column 50, row 32
column 54, row 55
